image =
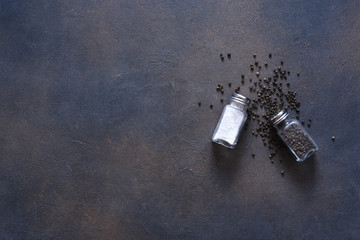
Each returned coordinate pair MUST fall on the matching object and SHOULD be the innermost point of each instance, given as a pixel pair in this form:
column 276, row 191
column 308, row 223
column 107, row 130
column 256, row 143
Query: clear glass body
column 296, row 138
column 230, row 124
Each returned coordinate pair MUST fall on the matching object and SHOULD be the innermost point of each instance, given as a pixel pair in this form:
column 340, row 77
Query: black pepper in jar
column 294, row 135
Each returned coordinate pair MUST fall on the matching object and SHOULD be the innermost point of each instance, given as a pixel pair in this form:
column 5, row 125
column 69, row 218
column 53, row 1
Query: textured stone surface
column 102, row 138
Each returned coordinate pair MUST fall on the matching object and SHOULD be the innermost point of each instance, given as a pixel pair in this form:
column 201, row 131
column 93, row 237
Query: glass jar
column 294, row 135
column 231, row 121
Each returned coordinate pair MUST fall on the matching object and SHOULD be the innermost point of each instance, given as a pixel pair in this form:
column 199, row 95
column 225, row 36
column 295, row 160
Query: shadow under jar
column 294, row 135
column 231, row 121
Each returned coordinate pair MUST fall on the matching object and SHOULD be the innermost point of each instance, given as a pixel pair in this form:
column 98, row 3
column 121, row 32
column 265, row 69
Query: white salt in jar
column 231, row 121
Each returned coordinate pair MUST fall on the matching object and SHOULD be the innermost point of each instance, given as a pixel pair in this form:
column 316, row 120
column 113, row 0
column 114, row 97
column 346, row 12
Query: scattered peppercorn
column 254, row 55
column 211, row 106
column 199, row 103
column 282, row 172
column 229, row 55
column 333, row 138
column 270, row 96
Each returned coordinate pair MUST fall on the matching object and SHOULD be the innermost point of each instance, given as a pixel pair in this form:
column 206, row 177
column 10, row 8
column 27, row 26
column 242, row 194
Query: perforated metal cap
column 240, row 99
column 278, row 118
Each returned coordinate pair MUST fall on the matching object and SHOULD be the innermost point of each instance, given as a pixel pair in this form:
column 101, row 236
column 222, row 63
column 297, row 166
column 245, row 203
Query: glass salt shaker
column 294, row 135
column 231, row 121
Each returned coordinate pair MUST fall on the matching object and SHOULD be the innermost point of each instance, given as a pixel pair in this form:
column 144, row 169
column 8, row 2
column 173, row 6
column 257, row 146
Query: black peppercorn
column 333, row 138
column 269, row 96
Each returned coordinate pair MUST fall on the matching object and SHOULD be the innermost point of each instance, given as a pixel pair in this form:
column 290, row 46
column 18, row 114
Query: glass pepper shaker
column 294, row 135
column 231, row 121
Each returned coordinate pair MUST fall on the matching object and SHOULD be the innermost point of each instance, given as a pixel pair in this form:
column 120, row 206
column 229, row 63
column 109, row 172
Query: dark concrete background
column 102, row 138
